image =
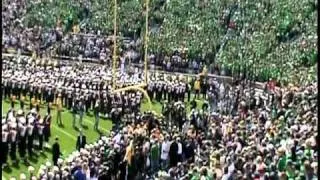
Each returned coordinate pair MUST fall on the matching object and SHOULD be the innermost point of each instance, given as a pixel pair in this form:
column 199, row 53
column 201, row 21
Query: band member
column 108, row 104
column 40, row 133
column 45, row 90
column 96, row 115
column 13, row 100
column 22, row 98
column 30, row 136
column 94, row 98
column 64, row 94
column 5, row 145
column 150, row 90
column 11, row 111
column 14, row 88
column 103, row 103
column 74, row 113
column 69, row 96
column 47, row 130
column 196, row 87
column 59, row 110
column 179, row 92
column 158, row 91
column 22, row 145
column 165, row 90
column 81, row 111
column 204, row 87
column 39, row 93
column 10, row 90
column 170, row 91
column 50, row 95
column 183, row 86
column 13, row 142
column 3, row 88
column 176, row 91
column 33, row 103
column 38, row 106
column 31, row 94
column 6, row 89
column 188, row 89
column 115, row 117
column 24, row 89
column 166, row 110
column 87, row 99
column 161, row 90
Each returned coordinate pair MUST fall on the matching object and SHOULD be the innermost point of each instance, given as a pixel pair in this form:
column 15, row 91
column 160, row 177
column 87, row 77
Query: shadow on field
column 33, row 159
column 85, row 127
column 7, row 169
column 16, row 165
column 89, row 114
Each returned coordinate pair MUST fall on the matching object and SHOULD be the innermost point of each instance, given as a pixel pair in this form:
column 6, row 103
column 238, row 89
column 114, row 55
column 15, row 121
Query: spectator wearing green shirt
column 308, row 152
column 204, row 175
column 290, row 172
column 282, row 162
column 154, row 156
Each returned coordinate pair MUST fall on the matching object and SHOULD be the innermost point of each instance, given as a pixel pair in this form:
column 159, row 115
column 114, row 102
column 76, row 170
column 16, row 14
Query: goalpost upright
column 138, row 87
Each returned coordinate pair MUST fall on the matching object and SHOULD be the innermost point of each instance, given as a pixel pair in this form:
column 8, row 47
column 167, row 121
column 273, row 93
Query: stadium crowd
column 54, row 42
column 101, row 47
column 239, row 132
column 281, row 36
column 16, row 37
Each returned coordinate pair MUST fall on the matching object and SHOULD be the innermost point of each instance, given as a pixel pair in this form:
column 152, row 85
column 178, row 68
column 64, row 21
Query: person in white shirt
column 165, row 147
column 116, row 139
column 146, row 151
column 179, row 149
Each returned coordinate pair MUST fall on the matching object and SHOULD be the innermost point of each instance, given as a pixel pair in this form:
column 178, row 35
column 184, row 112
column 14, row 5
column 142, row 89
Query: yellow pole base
column 137, row 88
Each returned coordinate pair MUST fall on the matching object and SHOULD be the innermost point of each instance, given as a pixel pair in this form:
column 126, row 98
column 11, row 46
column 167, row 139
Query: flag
column 69, row 22
column 58, row 22
column 76, row 28
column 129, row 153
column 34, row 55
column 204, row 71
column 11, row 50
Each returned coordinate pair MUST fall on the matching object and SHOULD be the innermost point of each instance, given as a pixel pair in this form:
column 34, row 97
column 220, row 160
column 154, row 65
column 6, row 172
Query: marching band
column 22, row 132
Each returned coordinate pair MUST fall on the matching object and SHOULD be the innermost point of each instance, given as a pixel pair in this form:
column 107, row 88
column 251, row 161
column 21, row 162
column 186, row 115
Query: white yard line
column 64, row 132
column 92, row 123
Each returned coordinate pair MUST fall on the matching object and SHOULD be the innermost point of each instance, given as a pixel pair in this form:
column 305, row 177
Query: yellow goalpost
column 138, row 87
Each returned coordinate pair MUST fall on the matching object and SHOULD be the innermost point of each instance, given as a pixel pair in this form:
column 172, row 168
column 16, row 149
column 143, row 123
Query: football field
column 67, row 135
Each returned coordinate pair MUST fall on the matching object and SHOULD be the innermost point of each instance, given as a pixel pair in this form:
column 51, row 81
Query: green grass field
column 67, row 136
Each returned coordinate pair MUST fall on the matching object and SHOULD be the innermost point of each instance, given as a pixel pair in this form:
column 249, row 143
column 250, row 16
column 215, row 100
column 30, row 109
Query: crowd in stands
column 55, row 42
column 21, row 39
column 239, row 133
column 282, row 34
